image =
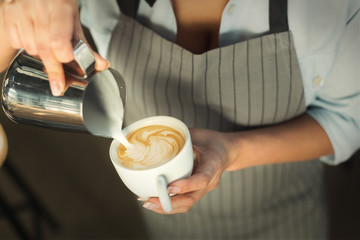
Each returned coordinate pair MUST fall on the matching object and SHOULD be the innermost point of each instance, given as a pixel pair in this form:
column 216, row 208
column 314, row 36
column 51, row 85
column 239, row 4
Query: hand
column 212, row 150
column 45, row 29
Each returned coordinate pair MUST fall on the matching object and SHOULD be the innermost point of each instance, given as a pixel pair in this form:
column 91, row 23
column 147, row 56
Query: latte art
column 151, row 146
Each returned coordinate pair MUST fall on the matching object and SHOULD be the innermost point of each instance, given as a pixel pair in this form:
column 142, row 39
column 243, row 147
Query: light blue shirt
column 327, row 42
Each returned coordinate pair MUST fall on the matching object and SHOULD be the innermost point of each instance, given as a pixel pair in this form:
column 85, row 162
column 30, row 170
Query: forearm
column 299, row 139
column 7, row 52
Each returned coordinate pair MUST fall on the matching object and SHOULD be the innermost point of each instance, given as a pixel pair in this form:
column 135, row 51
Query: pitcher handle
column 84, row 61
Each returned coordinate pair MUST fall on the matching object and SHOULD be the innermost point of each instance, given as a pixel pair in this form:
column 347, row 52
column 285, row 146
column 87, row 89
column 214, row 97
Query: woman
column 268, row 87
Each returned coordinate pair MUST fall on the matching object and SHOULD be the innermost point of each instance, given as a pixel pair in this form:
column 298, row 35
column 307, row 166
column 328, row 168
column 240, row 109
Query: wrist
column 239, row 148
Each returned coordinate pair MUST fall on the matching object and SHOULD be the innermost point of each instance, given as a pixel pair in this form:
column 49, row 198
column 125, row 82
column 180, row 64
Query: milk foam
column 150, row 146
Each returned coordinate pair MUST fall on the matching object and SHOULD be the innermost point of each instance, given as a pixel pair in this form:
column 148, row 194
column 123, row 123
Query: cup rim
column 146, row 121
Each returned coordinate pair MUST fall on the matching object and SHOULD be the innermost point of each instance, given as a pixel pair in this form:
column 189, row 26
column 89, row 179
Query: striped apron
column 246, row 85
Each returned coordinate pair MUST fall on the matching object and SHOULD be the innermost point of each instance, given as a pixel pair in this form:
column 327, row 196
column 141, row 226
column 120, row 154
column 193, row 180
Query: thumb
column 100, row 62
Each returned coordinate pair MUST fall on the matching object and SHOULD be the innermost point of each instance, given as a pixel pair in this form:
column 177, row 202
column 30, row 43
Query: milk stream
column 122, row 139
column 115, row 129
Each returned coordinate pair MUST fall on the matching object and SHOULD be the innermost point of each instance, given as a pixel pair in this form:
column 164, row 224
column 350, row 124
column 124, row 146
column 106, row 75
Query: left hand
column 212, row 151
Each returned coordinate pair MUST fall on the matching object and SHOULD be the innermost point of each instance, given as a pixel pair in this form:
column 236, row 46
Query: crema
column 151, row 146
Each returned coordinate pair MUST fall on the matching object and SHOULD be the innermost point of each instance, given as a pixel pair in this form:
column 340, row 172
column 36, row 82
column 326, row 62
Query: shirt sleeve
column 101, row 18
column 337, row 104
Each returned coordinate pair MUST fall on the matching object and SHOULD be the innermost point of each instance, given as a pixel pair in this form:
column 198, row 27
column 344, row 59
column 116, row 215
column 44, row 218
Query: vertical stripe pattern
column 246, row 85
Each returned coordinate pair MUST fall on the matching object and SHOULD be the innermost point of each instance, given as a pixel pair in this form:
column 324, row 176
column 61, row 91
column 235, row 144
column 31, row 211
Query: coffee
column 161, row 145
column 151, row 146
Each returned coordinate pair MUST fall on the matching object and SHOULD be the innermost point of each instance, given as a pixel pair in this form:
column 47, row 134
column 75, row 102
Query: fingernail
column 150, row 205
column 55, row 89
column 173, row 190
column 141, row 199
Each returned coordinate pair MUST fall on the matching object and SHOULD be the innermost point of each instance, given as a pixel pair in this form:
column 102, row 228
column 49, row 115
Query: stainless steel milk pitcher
column 93, row 102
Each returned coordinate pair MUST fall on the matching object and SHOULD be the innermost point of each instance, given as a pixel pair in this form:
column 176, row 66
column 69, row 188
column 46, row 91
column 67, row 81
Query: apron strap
column 278, row 16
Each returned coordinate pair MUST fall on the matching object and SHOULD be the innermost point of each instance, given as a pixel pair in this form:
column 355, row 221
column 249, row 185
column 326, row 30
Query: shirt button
column 318, row 81
column 231, row 9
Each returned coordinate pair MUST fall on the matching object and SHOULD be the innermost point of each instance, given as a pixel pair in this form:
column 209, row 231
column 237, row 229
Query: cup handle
column 164, row 197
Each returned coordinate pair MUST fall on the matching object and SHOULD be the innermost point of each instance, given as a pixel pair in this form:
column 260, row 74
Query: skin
column 48, row 35
column 198, row 24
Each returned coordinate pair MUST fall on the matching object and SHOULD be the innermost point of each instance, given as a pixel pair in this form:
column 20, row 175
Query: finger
column 11, row 27
column 180, row 203
column 196, row 182
column 61, row 33
column 55, row 72
column 26, row 28
column 14, row 36
column 53, row 67
column 207, row 170
column 100, row 62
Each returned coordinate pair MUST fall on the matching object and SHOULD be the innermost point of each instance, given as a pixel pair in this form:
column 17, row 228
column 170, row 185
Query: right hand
column 45, row 29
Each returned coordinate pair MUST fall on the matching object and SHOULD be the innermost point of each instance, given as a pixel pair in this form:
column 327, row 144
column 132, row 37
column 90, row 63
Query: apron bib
column 245, row 85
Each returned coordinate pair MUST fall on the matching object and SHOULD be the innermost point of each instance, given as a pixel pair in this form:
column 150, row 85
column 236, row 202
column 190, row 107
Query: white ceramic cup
column 153, row 182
